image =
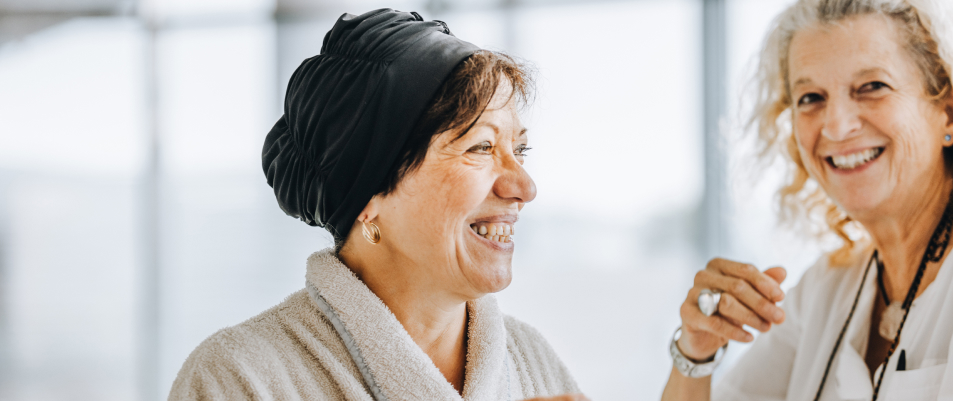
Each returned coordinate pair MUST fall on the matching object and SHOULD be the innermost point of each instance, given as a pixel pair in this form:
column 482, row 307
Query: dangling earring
column 373, row 234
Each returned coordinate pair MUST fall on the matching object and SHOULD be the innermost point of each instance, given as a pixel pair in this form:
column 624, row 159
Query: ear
column 354, row 243
column 948, row 129
column 370, row 211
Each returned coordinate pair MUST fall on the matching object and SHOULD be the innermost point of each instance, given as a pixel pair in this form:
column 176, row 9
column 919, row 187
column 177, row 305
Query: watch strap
column 689, row 367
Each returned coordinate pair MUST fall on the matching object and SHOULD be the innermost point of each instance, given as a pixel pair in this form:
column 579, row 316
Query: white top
column 788, row 362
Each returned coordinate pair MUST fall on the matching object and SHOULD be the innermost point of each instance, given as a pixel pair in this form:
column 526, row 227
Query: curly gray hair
column 927, row 26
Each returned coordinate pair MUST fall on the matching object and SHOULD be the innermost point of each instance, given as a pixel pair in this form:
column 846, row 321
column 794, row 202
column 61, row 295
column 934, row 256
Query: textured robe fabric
column 293, row 352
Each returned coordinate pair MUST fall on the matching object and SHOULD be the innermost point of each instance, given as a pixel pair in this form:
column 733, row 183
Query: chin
column 491, row 277
column 860, row 204
column 489, row 264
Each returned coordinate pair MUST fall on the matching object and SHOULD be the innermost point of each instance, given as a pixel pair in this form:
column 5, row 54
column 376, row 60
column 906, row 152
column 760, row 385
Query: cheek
column 806, row 135
column 919, row 157
column 915, row 133
column 465, row 188
column 455, row 193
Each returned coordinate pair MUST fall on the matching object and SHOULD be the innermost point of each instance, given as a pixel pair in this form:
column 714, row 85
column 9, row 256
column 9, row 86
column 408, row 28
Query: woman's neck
column 902, row 238
column 434, row 319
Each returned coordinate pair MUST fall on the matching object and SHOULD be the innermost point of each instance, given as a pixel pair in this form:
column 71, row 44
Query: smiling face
column 465, row 185
column 866, row 129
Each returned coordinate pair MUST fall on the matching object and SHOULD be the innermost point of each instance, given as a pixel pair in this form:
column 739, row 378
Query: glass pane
column 71, row 115
column 227, row 250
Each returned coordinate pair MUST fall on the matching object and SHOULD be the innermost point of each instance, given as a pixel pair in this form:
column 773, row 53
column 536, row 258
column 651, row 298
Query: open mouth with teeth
column 499, row 232
column 854, row 160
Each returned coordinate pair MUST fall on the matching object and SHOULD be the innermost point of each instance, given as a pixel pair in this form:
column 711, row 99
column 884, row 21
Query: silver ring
column 708, row 301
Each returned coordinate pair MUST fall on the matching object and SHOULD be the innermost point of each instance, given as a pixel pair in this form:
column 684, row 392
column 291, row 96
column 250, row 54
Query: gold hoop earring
column 372, row 235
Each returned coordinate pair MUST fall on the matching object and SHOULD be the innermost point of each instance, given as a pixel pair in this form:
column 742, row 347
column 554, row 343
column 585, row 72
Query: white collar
column 396, row 365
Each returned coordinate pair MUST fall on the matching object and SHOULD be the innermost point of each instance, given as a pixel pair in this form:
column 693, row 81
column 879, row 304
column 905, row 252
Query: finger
column 690, row 315
column 715, row 324
column 739, row 314
column 777, row 273
column 733, row 320
column 742, row 290
column 765, row 284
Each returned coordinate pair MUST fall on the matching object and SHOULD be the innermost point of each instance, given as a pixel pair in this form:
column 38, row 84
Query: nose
column 842, row 119
column 515, row 183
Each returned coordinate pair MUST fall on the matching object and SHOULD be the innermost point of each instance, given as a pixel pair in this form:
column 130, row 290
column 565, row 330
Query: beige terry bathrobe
column 336, row 340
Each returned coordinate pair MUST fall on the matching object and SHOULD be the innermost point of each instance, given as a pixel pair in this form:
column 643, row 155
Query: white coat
column 787, row 363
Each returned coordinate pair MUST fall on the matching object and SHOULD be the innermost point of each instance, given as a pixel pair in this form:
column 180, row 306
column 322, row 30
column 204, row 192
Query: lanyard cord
column 936, row 248
column 934, row 253
column 911, row 294
column 844, row 329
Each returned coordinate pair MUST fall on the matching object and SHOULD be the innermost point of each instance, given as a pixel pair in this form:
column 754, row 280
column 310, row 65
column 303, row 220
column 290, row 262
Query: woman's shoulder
column 537, row 364
column 277, row 345
column 263, row 329
column 255, row 338
column 292, row 322
column 825, row 284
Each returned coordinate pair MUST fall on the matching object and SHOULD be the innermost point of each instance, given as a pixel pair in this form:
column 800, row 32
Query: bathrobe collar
column 393, row 366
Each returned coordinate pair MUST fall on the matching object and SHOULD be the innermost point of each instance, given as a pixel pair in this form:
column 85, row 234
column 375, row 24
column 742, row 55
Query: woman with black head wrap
column 405, row 143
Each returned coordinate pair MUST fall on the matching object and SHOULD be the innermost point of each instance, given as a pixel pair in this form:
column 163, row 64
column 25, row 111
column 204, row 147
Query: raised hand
column 748, row 297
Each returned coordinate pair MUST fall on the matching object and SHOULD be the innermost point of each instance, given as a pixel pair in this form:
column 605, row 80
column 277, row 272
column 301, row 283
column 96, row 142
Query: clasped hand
column 748, row 297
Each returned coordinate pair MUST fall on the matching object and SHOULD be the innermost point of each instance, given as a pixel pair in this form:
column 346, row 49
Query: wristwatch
column 689, row 367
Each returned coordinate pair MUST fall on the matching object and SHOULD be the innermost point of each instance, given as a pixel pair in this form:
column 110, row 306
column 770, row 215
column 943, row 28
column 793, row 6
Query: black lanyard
column 936, row 248
column 908, row 303
column 844, row 330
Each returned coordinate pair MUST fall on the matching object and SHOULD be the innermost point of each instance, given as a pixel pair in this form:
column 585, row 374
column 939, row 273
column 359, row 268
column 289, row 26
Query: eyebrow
column 487, row 124
column 801, row 81
column 872, row 70
column 865, row 71
column 496, row 128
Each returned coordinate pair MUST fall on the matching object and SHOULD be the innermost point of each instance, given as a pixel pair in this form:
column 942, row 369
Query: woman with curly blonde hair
column 856, row 96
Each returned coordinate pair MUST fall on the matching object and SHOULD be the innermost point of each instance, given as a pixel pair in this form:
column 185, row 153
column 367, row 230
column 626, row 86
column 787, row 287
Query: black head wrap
column 349, row 110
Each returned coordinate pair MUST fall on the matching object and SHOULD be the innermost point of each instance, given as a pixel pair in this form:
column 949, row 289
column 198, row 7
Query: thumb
column 777, row 273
